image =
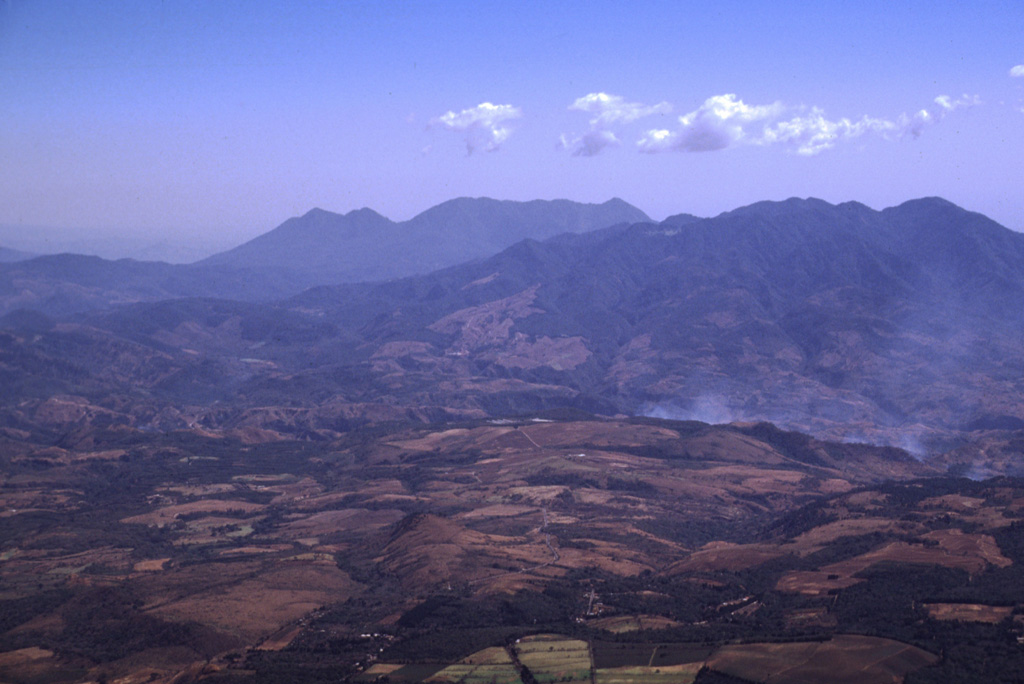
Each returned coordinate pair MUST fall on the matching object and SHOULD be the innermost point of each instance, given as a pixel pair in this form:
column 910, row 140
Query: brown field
column 555, row 435
column 972, row 560
column 726, row 556
column 969, row 509
column 844, row 659
column 251, row 607
column 960, row 543
column 851, row 527
column 813, row 583
column 347, row 518
column 255, row 550
column 810, row 617
column 280, row 639
column 33, row 566
column 24, row 500
column 23, row 656
column 617, row 558
column 198, row 490
column 378, row 669
column 498, row 511
column 154, row 565
column 968, row 612
column 950, row 548
column 25, row 664
column 954, row 502
column 168, row 514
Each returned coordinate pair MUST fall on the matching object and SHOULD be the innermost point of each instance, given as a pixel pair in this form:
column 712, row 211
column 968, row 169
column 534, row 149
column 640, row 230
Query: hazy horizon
column 204, row 125
column 184, row 249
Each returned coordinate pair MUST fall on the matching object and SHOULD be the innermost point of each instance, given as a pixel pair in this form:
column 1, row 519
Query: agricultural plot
column 552, row 658
column 476, row 674
column 632, row 623
column 414, row 673
column 495, row 655
column 968, row 612
column 378, row 670
column 612, row 655
column 490, row 666
column 844, row 659
column 671, row 674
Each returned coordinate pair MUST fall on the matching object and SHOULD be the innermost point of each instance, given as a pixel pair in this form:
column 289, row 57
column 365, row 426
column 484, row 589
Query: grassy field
column 551, row 658
column 477, row 674
column 670, row 674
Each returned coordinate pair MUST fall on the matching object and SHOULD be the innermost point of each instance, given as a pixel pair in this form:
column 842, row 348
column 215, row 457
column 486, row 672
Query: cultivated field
column 844, row 659
column 555, row 659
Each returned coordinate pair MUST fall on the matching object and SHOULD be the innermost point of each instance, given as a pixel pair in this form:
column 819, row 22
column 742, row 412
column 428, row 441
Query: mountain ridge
column 317, row 248
column 830, row 319
column 363, row 245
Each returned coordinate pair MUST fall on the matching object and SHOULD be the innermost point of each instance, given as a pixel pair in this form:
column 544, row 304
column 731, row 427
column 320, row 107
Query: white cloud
column 591, row 143
column 813, row 133
column 656, row 140
column 483, row 125
column 1017, row 71
column 725, row 121
column 965, row 100
column 608, row 111
column 915, row 125
column 612, row 108
column 721, row 122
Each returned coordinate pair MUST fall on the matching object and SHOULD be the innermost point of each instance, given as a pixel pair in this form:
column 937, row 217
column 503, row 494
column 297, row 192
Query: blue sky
column 212, row 122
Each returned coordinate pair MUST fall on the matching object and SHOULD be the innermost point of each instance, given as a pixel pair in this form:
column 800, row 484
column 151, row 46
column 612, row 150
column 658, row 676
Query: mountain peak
column 316, row 212
column 365, row 213
column 931, row 200
column 322, row 247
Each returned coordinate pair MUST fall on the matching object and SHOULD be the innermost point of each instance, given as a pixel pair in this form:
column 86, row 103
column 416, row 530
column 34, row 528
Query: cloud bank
column 721, row 122
column 1017, row 71
column 483, row 126
column 609, row 111
column 725, row 121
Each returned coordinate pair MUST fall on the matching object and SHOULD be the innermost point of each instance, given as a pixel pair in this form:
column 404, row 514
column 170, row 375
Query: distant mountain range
column 318, row 248
column 900, row 326
column 321, row 247
column 11, row 255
